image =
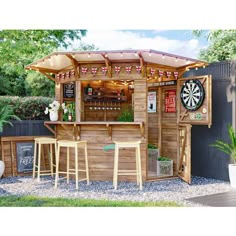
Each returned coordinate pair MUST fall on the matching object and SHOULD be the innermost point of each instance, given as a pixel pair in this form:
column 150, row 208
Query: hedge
column 27, row 108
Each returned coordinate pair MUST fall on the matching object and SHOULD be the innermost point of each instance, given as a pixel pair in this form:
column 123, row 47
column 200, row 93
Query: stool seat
column 137, row 171
column 39, row 142
column 72, row 144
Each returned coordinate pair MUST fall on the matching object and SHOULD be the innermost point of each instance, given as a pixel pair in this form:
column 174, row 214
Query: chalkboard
column 69, row 90
column 25, row 156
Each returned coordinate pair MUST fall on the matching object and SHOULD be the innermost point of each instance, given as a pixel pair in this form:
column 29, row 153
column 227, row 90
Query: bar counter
column 98, row 135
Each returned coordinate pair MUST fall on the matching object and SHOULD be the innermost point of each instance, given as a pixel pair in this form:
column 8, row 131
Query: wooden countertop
column 76, row 126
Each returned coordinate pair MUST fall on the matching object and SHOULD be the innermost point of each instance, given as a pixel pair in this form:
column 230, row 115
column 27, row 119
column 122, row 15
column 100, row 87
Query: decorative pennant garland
column 161, row 73
column 72, row 73
column 117, row 69
column 94, row 70
column 68, row 74
column 104, row 70
column 84, row 70
column 176, row 74
column 138, row 69
column 152, row 71
column 58, row 76
column 62, row 76
column 128, row 69
column 168, row 74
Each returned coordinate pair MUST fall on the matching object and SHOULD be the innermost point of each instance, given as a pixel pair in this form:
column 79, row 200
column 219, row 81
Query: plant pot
column 2, row 168
column 165, row 168
column 152, row 159
column 232, row 175
column 53, row 116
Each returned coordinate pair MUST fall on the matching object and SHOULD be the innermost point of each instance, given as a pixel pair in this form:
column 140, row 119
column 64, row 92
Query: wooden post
column 78, row 101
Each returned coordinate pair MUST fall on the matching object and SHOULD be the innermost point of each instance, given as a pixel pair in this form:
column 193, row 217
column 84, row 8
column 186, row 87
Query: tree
column 222, row 45
column 20, row 47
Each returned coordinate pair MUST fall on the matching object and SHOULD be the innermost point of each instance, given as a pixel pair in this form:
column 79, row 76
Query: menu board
column 170, row 101
column 69, row 90
column 25, row 156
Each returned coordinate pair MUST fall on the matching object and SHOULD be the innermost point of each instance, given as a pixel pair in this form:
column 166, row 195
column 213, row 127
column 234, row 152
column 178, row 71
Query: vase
column 53, row 116
column 2, row 168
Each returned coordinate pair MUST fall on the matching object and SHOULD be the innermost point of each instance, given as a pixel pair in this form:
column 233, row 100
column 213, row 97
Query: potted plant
column 230, row 149
column 126, row 115
column 164, row 166
column 6, row 114
column 153, row 153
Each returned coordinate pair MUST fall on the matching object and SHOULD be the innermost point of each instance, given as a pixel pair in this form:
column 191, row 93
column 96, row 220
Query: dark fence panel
column 26, row 128
column 208, row 161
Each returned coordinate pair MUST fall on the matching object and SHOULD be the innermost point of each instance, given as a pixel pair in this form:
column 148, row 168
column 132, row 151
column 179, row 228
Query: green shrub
column 163, row 159
column 27, row 108
column 152, row 146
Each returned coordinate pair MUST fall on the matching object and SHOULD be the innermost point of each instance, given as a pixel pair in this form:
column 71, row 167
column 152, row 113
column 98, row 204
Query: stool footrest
column 127, row 173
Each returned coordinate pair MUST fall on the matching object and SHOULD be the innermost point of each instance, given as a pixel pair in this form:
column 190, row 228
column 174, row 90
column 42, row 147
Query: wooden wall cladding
column 203, row 115
column 9, row 156
column 101, row 163
column 162, row 127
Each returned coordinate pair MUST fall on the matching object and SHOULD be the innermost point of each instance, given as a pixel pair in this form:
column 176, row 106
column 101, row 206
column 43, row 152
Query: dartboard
column 192, row 94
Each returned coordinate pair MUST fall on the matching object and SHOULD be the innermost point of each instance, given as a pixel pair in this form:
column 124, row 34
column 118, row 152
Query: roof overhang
column 60, row 61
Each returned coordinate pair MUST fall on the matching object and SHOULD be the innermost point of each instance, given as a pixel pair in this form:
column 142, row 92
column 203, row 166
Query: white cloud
column 115, row 40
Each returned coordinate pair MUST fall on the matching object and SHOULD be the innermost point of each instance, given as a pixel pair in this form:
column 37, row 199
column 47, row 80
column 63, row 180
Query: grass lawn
column 31, row 201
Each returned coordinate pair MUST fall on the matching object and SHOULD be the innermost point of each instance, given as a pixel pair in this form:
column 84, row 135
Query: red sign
column 170, row 101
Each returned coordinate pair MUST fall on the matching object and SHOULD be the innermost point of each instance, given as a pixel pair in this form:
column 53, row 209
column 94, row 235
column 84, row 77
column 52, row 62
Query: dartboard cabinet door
column 194, row 107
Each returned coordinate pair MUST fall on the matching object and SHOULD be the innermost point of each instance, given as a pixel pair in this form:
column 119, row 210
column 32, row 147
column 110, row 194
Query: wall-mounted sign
column 163, row 83
column 170, row 101
column 152, row 101
column 69, row 90
column 25, row 156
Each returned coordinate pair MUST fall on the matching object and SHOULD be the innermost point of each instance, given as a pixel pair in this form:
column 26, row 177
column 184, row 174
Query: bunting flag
column 68, row 74
column 117, row 69
column 152, row 71
column 72, row 73
column 138, row 69
column 104, row 70
column 62, row 76
column 128, row 69
column 94, row 70
column 176, row 74
column 84, row 70
column 168, row 73
column 161, row 73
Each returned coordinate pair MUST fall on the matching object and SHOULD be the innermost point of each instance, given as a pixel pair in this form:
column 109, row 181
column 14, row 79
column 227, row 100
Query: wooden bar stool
column 137, row 171
column 72, row 144
column 39, row 142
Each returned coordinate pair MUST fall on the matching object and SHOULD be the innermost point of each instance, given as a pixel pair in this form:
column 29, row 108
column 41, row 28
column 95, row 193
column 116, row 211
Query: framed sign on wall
column 152, row 97
column 170, row 101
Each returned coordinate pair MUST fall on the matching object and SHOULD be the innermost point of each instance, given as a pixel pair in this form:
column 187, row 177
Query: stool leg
column 115, row 177
column 86, row 162
column 39, row 161
column 35, row 156
column 140, row 168
column 51, row 164
column 137, row 165
column 68, row 164
column 76, row 168
column 57, row 165
column 55, row 147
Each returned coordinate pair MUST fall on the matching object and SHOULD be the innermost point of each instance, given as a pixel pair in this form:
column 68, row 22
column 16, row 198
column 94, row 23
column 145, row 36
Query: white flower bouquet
column 54, row 107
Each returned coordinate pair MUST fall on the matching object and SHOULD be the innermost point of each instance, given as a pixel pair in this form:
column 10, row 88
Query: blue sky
column 180, row 42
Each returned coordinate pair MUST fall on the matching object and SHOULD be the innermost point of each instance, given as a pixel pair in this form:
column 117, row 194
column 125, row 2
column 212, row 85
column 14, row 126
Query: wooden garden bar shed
column 102, row 85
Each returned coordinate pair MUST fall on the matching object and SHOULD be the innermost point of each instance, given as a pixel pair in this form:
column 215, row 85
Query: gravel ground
column 167, row 190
